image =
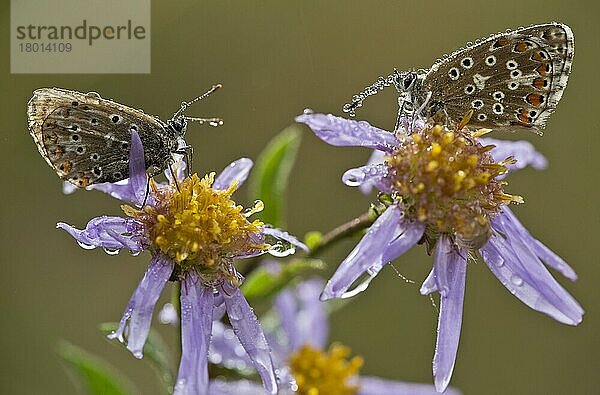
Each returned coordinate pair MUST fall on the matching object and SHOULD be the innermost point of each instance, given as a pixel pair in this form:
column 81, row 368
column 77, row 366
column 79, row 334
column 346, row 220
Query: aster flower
column 194, row 231
column 298, row 337
column 445, row 190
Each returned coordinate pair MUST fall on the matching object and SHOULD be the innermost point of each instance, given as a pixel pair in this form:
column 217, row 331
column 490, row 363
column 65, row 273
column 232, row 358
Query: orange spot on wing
column 539, row 83
column 66, row 166
column 521, row 123
column 535, row 99
column 524, row 116
column 521, row 46
column 543, row 69
column 538, row 56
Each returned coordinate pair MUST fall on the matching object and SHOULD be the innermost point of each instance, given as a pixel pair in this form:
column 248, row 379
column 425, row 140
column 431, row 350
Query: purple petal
column 377, row 158
column 286, row 307
column 68, row 188
column 133, row 189
column 379, row 386
column 413, row 231
column 524, row 275
column 226, row 349
column 179, row 167
column 366, row 254
column 523, row 151
column 137, row 318
column 248, row 330
column 236, row 171
column 450, row 273
column 539, row 249
column 312, row 322
column 107, row 232
column 196, row 325
column 370, row 175
column 343, row 132
column 302, row 315
column 240, row 387
column 121, row 190
column 285, row 236
column 137, row 168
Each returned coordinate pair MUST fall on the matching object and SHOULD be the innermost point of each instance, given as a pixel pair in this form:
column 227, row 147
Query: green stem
column 348, row 229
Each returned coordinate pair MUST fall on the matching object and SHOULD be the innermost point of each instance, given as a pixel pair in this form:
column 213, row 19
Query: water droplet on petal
column 111, row 251
column 85, row 246
column 138, row 354
column 282, row 249
column 256, row 208
column 358, row 289
column 516, row 280
column 308, row 111
column 134, row 253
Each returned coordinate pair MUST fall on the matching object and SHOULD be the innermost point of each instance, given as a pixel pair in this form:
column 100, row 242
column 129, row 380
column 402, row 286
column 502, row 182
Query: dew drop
column 358, row 289
column 444, row 291
column 134, row 253
column 138, row 354
column 308, row 111
column 516, row 280
column 93, row 95
column 352, row 182
column 85, row 246
column 111, row 251
column 256, row 208
column 215, row 358
column 216, row 123
column 281, row 249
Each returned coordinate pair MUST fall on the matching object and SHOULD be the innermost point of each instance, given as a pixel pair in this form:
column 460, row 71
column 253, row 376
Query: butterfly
column 511, row 80
column 86, row 139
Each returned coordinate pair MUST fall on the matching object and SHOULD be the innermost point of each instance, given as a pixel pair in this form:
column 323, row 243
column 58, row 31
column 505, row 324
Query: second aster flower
column 445, row 189
column 194, row 232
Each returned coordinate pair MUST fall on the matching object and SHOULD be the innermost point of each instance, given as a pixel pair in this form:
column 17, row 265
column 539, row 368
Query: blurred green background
column 274, row 59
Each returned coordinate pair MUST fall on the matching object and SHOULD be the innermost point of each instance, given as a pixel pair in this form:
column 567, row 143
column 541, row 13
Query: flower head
column 446, row 190
column 305, row 365
column 447, row 179
column 194, row 232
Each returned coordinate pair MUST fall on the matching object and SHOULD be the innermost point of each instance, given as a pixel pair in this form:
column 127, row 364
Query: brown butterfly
column 86, row 138
column 512, row 80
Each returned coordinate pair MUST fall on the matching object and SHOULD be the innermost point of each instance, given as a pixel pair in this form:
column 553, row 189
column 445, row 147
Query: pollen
column 199, row 227
column 325, row 372
column 448, row 180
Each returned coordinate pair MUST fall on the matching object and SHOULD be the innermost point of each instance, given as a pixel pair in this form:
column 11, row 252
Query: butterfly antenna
column 186, row 104
column 373, row 89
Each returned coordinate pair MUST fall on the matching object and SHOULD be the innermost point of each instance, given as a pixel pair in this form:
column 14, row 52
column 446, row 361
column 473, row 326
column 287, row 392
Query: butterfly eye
column 408, row 80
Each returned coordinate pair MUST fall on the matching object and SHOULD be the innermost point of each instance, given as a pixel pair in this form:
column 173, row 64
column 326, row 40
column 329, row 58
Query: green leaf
column 155, row 352
column 96, row 376
column 262, row 283
column 269, row 180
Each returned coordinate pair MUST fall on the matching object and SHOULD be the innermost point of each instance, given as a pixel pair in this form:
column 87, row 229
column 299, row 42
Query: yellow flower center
column 325, row 372
column 199, row 227
column 447, row 179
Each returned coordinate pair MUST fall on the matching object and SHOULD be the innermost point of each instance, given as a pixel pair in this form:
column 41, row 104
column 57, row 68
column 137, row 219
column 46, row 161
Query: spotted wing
column 511, row 80
column 85, row 138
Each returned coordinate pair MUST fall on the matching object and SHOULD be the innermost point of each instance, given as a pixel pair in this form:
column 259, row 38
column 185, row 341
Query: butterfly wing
column 511, row 80
column 85, row 138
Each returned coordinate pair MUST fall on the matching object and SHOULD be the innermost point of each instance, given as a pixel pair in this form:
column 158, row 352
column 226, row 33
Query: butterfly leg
column 174, row 177
column 147, row 192
column 188, row 154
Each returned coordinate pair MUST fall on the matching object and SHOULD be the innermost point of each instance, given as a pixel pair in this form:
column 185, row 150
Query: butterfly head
column 405, row 81
column 178, row 125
